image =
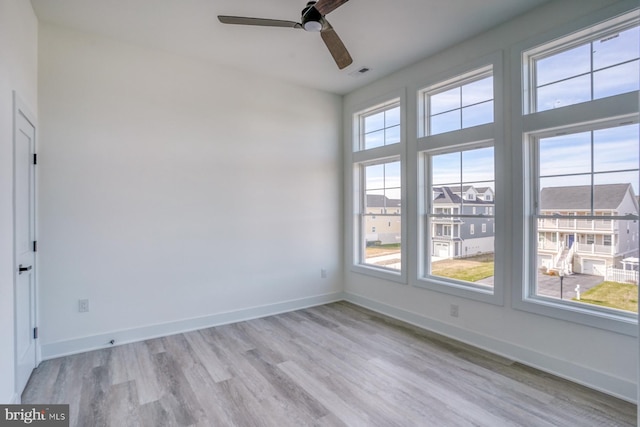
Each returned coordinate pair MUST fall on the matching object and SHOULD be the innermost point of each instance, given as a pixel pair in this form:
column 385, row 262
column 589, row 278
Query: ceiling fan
column 313, row 20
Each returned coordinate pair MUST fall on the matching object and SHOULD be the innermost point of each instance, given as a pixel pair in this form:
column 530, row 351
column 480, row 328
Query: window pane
column 477, row 114
column 470, row 104
column 392, row 135
column 374, row 139
column 382, row 216
column 445, row 169
column 392, row 117
column 616, row 80
column 478, row 91
column 566, row 92
column 618, row 179
column 381, row 128
column 565, row 154
column 374, row 122
column 478, row 165
column 462, row 248
column 616, row 148
column 563, row 65
column 374, row 177
column 444, row 101
column 565, row 195
column 468, row 259
column 445, row 122
column 616, row 49
column 594, row 70
column 392, row 175
column 596, row 271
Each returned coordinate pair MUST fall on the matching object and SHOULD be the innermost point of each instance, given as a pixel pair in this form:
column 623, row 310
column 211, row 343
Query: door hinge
column 35, row 333
column 35, row 246
column 35, row 159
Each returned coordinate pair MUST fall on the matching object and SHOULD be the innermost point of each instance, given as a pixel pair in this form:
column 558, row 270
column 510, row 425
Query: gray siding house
column 454, row 236
column 587, row 246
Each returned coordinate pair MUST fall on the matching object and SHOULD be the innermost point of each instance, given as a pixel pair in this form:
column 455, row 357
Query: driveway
column 550, row 285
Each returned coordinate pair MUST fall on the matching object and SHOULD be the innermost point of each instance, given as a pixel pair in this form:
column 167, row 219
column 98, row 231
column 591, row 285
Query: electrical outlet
column 323, row 273
column 454, row 310
column 83, row 305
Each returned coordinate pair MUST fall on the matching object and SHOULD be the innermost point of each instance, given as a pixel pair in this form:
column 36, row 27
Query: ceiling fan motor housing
column 311, row 18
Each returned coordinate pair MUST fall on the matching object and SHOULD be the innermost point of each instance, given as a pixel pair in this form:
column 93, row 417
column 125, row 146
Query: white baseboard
column 620, row 388
column 95, row 342
column 623, row 389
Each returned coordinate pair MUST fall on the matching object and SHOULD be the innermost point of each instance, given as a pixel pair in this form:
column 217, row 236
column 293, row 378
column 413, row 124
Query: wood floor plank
column 209, row 359
column 145, row 378
column 332, row 365
column 123, row 407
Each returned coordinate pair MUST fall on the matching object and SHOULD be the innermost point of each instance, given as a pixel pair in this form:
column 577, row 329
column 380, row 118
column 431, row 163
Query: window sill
column 380, row 273
column 610, row 320
column 476, row 293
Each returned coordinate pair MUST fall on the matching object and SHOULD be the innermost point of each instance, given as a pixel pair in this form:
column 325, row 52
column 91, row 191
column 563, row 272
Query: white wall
column 175, row 194
column 18, row 71
column 604, row 360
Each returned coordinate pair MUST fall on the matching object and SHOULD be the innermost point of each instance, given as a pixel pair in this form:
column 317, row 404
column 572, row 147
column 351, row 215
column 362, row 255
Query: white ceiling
column 380, row 34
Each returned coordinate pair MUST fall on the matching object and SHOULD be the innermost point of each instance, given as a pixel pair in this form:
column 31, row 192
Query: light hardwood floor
column 332, row 365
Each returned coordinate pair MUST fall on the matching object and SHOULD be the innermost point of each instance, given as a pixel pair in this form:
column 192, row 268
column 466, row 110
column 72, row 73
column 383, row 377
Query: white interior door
column 24, row 232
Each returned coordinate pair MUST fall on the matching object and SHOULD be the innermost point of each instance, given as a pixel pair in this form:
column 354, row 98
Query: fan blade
column 243, row 20
column 327, row 6
column 335, row 46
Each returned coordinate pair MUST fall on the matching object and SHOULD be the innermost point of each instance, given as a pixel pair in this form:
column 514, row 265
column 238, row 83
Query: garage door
column 596, row 268
column 441, row 250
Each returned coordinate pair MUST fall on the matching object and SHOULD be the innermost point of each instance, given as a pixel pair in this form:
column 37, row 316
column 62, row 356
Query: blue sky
column 611, row 65
column 615, row 152
column 565, row 78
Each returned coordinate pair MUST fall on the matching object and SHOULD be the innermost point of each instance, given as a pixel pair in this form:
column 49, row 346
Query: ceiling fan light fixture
column 313, row 26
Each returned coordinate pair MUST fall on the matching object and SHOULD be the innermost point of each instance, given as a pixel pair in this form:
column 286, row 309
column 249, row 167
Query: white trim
column 354, row 158
column 591, row 378
column 21, row 107
column 95, row 342
column 485, row 135
column 617, row 109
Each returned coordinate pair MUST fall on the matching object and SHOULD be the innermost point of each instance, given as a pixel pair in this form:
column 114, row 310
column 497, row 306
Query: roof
column 446, row 195
column 380, row 201
column 606, row 196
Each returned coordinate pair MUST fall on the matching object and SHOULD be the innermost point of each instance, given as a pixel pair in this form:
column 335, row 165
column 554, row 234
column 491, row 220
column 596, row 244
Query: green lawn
column 468, row 269
column 377, row 250
column 622, row 296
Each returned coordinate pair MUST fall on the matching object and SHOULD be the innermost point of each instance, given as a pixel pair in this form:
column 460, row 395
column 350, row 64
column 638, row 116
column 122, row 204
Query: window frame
column 582, row 36
column 620, row 109
column 357, row 158
column 489, row 134
column 454, row 81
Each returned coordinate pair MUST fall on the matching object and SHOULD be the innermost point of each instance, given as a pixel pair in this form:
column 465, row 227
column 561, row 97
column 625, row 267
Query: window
column 452, row 174
column 457, row 180
column 599, row 65
column 380, row 127
column 582, row 174
column 382, row 190
column 602, row 174
column 378, row 224
column 460, row 103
